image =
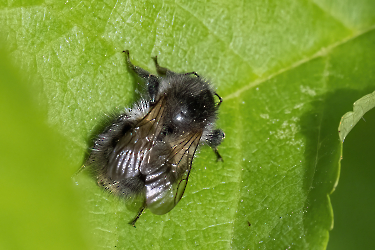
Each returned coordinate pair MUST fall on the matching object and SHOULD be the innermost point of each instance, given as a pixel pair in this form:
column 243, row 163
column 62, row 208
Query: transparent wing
column 182, row 157
column 121, row 174
column 166, row 183
column 143, row 164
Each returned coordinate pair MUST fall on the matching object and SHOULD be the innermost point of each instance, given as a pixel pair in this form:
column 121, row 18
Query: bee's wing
column 182, row 158
column 151, row 123
column 121, row 175
column 166, row 184
column 141, row 164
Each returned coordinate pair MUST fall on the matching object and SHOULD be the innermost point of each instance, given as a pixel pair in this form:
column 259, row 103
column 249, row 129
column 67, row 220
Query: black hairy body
column 147, row 151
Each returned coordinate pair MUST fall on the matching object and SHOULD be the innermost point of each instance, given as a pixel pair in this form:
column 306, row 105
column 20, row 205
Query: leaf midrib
column 321, row 53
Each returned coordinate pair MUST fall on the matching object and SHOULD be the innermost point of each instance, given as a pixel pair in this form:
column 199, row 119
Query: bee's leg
column 138, row 70
column 192, row 73
column 133, row 221
column 214, row 140
column 83, row 167
column 79, row 170
column 220, row 99
column 153, row 87
column 152, row 80
column 218, row 156
column 161, row 70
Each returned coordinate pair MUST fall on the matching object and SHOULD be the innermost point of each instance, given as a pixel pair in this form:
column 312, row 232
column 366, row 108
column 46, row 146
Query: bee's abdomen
column 159, row 193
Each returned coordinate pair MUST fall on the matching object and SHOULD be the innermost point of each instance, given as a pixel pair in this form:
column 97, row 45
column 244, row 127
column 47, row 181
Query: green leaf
column 352, row 200
column 287, row 71
column 350, row 119
column 39, row 205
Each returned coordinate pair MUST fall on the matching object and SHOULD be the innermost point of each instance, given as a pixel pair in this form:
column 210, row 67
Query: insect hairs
column 147, row 151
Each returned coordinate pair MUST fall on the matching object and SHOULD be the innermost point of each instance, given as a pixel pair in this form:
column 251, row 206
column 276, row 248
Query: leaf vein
column 322, row 52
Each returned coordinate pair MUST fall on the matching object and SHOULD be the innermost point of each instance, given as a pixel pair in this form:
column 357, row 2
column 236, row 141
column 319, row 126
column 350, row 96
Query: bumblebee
column 147, row 151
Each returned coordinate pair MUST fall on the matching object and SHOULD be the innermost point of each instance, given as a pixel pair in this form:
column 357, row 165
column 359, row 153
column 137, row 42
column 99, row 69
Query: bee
column 146, row 153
